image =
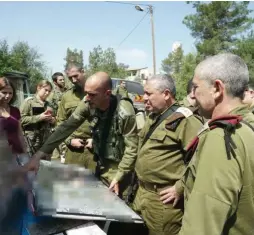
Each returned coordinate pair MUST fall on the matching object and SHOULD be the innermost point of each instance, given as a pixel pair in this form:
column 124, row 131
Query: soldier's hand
column 169, row 195
column 89, row 143
column 114, row 187
column 53, row 120
column 77, row 143
column 45, row 116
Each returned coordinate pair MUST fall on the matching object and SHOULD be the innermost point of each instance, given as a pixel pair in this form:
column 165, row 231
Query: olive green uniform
column 36, row 131
column 160, row 165
column 219, row 191
column 251, row 108
column 54, row 100
column 185, row 102
column 68, row 104
column 121, row 91
column 114, row 165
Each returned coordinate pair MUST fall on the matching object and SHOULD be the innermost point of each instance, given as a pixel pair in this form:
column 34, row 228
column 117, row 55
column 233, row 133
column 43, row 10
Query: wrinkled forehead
column 150, row 86
column 73, row 71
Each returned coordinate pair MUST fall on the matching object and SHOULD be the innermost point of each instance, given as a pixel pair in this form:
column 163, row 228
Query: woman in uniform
column 37, row 117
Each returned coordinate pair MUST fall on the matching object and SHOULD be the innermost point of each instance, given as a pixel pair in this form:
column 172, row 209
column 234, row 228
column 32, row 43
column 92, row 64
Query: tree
column 22, row 57
column 245, row 49
column 217, row 25
column 73, row 57
column 181, row 67
column 105, row 60
column 172, row 63
column 186, row 73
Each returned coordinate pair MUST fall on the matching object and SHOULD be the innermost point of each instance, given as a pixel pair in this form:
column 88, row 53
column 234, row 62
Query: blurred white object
column 87, row 229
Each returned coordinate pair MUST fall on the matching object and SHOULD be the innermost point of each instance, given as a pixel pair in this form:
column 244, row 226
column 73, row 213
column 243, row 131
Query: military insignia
column 172, row 126
column 185, row 111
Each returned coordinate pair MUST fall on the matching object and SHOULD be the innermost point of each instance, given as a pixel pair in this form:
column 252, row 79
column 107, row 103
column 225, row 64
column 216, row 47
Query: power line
column 128, row 3
column 133, row 29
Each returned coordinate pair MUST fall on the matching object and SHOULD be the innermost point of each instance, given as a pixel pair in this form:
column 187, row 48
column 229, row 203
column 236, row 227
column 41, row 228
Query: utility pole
column 153, row 39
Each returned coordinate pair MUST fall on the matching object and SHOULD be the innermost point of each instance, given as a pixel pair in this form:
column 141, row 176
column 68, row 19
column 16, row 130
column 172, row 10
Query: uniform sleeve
column 26, row 117
column 81, row 113
column 61, row 112
column 216, row 189
column 130, row 134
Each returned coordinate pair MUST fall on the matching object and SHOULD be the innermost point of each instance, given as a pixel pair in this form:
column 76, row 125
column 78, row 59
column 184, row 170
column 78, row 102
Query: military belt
column 152, row 186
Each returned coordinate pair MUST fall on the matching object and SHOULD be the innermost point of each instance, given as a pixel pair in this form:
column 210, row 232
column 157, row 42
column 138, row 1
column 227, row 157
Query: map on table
column 72, row 192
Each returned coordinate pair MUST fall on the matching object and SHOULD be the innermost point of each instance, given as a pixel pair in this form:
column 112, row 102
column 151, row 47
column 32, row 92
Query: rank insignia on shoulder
column 171, row 126
column 185, row 111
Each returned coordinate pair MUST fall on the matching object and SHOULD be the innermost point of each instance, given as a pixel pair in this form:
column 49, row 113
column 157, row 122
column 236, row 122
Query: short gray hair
column 163, row 82
column 228, row 68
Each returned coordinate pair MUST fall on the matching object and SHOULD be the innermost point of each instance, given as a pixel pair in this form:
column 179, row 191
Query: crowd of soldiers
column 192, row 162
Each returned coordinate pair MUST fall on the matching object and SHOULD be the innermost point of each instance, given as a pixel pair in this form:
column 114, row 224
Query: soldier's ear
column 108, row 92
column 218, row 89
column 167, row 94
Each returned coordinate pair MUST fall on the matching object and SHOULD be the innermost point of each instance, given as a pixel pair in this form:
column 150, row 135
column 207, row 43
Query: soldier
column 218, row 182
column 121, row 90
column 76, row 153
column 56, row 96
column 37, row 117
column 249, row 98
column 114, row 131
column 188, row 101
column 160, row 163
column 54, row 100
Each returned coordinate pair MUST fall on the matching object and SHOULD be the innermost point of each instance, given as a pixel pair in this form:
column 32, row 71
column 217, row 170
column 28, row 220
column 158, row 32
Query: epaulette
column 175, row 119
column 28, row 98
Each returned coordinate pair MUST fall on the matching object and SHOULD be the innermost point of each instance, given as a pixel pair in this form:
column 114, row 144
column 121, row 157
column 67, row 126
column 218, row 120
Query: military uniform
column 251, row 108
column 54, row 100
column 160, row 165
column 36, row 131
column 68, row 104
column 116, row 148
column 185, row 103
column 218, row 182
column 121, row 91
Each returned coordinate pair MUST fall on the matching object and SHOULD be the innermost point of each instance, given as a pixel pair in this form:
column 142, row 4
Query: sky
column 52, row 27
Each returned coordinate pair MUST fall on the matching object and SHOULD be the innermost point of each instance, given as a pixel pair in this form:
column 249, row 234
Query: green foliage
column 217, row 25
column 181, row 67
column 73, row 57
column 21, row 57
column 172, row 64
column 105, row 60
column 245, row 49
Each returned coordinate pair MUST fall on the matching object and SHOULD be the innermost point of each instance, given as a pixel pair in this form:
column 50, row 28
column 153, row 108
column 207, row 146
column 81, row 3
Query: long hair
column 4, row 82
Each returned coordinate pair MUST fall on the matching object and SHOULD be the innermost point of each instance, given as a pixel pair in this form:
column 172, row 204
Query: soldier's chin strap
column 229, row 124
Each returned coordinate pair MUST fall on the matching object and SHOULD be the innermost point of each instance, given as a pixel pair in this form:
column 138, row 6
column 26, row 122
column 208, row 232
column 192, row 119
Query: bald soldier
column 219, row 180
column 160, row 163
column 114, row 130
